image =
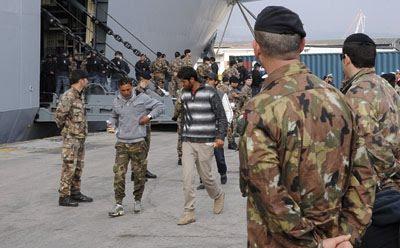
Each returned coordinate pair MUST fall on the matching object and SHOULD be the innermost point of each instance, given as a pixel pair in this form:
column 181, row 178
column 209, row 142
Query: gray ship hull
column 20, row 67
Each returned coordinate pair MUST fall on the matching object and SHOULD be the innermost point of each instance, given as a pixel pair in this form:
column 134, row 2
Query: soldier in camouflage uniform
column 204, row 69
column 159, row 68
column 132, row 111
column 377, row 110
column 231, row 71
column 70, row 117
column 224, row 85
column 237, row 102
column 246, row 90
column 176, row 65
column 187, row 60
column 295, row 153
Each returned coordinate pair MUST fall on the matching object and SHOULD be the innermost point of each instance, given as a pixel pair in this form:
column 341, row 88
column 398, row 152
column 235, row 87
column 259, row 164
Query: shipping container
column 329, row 63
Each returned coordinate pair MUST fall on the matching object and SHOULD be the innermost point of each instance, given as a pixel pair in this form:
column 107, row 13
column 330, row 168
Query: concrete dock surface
column 30, row 215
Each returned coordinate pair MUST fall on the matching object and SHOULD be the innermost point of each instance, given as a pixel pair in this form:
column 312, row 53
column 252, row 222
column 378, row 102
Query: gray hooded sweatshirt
column 127, row 112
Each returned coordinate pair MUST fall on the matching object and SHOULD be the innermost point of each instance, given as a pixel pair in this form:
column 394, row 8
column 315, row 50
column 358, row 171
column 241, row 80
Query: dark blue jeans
column 220, row 158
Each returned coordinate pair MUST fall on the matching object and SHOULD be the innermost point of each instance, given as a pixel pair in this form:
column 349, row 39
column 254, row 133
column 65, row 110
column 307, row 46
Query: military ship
column 26, row 38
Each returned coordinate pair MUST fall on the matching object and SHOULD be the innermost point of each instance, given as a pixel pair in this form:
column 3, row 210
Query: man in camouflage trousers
column 176, row 65
column 237, row 101
column 377, row 109
column 132, row 110
column 296, row 157
column 70, row 117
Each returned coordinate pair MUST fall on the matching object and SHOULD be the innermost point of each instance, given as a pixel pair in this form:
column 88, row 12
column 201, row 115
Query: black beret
column 359, row 38
column 279, row 20
column 78, row 74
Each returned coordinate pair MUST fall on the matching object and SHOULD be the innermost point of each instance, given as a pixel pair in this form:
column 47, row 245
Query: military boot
column 150, row 175
column 67, row 202
column 187, row 218
column 79, row 197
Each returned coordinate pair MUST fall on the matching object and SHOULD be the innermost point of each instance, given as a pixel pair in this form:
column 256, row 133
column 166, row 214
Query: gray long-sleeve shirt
column 127, row 112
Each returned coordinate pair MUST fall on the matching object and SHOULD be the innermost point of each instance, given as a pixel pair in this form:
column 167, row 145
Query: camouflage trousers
column 136, row 154
column 179, row 143
column 173, row 86
column 73, row 154
column 232, row 128
column 147, row 139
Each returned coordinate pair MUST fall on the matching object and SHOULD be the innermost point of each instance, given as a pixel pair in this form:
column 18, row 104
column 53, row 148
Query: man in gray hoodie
column 132, row 110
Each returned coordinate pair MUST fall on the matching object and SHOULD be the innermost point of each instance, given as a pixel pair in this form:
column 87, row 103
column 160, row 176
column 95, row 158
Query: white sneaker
column 137, row 208
column 117, row 211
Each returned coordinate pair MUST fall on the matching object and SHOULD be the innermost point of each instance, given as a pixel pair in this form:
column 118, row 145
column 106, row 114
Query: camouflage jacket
column 203, row 70
column 176, row 65
column 237, row 102
column 187, row 61
column 246, row 93
column 397, row 88
column 70, row 115
column 223, row 87
column 159, row 66
column 377, row 109
column 295, row 158
column 230, row 72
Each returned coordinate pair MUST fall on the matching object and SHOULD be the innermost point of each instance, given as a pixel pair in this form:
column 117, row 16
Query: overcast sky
column 326, row 19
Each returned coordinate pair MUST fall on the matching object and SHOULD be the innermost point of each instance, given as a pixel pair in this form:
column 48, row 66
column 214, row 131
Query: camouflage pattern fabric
column 136, row 154
column 230, row 72
column 176, row 65
column 222, row 87
column 295, row 162
column 187, row 61
column 246, row 93
column 232, row 128
column 73, row 154
column 203, row 70
column 377, row 108
column 70, row 115
column 173, row 86
column 159, row 68
column 178, row 116
column 397, row 88
column 237, row 101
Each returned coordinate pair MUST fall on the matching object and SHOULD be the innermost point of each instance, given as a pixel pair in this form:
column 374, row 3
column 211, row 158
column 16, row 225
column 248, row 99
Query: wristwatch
column 149, row 116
